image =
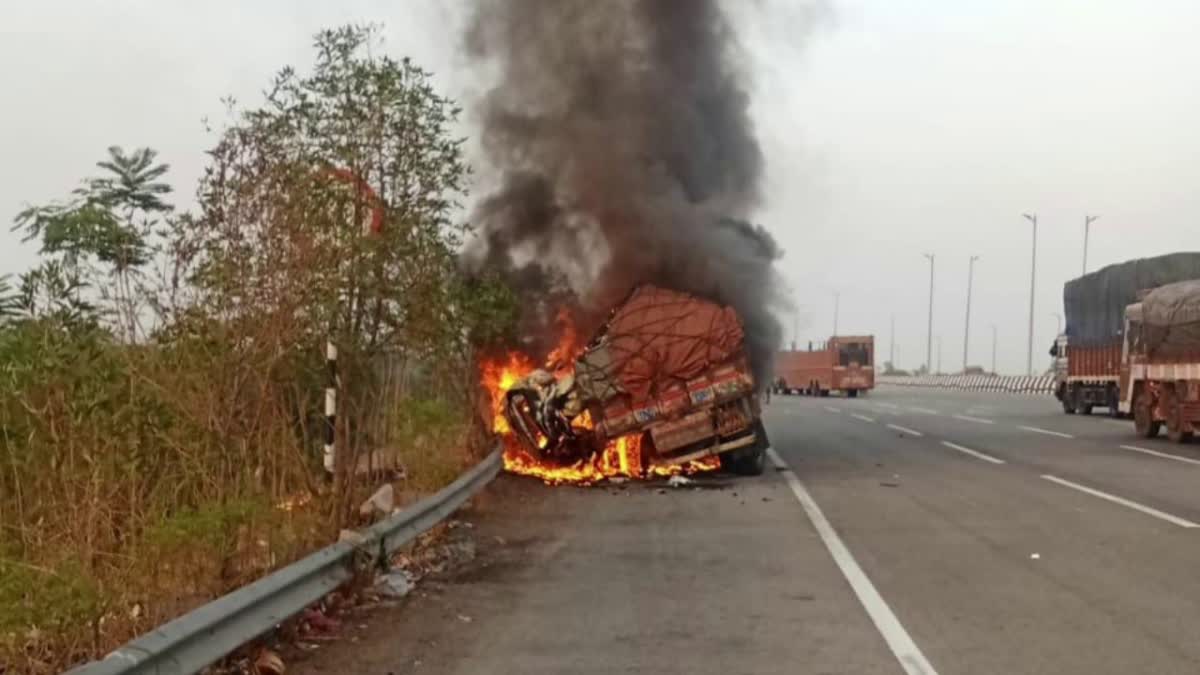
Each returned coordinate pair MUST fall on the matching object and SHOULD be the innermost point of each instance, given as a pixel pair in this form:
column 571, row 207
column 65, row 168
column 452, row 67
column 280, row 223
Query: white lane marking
column 1174, row 520
column 1047, row 432
column 864, row 418
column 833, row 409
column 904, row 430
column 901, row 643
column 1164, row 455
column 893, row 406
column 973, row 453
column 924, row 411
column 976, row 420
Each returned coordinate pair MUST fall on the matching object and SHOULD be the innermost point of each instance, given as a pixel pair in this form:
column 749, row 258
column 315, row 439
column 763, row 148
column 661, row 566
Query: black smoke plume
column 625, row 151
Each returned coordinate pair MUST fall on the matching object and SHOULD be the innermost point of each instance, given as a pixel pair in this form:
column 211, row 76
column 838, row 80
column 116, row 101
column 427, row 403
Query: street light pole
column 1032, row 292
column 967, row 333
column 1058, row 316
column 1087, row 228
column 892, row 348
column 993, row 349
column 939, row 361
column 929, row 335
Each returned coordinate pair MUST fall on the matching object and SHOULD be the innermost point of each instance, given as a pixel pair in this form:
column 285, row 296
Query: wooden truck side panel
column 1094, row 362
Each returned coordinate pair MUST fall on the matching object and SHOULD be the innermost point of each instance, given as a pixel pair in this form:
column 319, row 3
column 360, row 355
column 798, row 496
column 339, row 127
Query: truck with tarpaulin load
column 1161, row 379
column 843, row 364
column 668, row 367
column 1090, row 356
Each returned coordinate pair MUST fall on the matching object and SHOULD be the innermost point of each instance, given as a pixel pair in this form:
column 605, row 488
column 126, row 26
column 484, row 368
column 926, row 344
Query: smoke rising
column 626, row 154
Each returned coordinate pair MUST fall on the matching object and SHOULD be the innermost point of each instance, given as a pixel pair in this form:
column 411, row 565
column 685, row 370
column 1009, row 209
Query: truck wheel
column 1176, row 432
column 1114, row 403
column 1068, row 400
column 1079, row 401
column 751, row 460
column 1143, row 418
column 852, row 393
column 1178, row 436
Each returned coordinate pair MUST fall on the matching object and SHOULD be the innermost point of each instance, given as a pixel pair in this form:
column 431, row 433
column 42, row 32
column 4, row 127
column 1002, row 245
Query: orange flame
column 620, row 458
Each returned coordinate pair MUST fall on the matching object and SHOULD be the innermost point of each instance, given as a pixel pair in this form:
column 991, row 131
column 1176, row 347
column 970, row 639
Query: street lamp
column 967, row 332
column 1058, row 316
column 929, row 335
column 1087, row 227
column 1031, row 217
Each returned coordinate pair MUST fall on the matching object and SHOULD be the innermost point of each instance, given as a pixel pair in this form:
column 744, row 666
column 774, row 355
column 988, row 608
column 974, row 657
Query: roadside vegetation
column 162, row 372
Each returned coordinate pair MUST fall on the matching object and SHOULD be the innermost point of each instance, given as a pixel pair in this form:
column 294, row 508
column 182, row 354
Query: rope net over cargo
column 655, row 339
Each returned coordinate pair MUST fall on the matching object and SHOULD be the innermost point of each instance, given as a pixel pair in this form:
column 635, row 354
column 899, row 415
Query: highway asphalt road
column 909, row 531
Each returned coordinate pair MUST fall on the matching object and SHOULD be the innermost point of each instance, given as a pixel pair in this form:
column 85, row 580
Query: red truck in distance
column 844, row 364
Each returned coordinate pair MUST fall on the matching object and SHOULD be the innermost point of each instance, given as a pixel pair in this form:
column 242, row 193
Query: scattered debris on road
column 268, row 663
column 396, row 583
column 382, row 502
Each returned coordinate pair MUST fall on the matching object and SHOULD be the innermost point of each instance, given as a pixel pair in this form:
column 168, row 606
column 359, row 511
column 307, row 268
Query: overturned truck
column 668, row 368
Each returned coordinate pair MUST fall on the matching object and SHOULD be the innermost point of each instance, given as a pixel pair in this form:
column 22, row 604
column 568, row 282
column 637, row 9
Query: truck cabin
column 852, row 352
column 1059, row 349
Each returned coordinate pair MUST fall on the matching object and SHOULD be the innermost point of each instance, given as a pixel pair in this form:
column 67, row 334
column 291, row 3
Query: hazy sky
column 891, row 128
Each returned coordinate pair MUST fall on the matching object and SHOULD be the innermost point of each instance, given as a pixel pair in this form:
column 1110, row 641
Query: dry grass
column 140, row 483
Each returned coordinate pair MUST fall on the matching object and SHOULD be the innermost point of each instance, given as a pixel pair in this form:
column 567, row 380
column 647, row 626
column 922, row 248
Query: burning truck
column 664, row 387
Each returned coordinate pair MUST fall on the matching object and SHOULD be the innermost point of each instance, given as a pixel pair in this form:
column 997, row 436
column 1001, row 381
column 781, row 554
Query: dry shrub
column 145, row 471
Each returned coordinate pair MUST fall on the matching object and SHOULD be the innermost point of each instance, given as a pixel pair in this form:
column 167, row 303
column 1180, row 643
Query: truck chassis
column 1165, row 395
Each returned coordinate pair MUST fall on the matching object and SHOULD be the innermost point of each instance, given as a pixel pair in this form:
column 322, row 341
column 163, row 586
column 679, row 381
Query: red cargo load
column 656, row 340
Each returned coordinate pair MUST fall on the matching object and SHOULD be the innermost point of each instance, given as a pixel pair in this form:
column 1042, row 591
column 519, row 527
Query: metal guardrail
column 207, row 634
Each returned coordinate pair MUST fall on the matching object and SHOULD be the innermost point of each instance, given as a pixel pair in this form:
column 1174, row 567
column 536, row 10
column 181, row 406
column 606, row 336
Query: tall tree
column 97, row 242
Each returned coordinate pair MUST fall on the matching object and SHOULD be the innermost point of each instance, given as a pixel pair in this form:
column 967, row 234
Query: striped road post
column 331, row 405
